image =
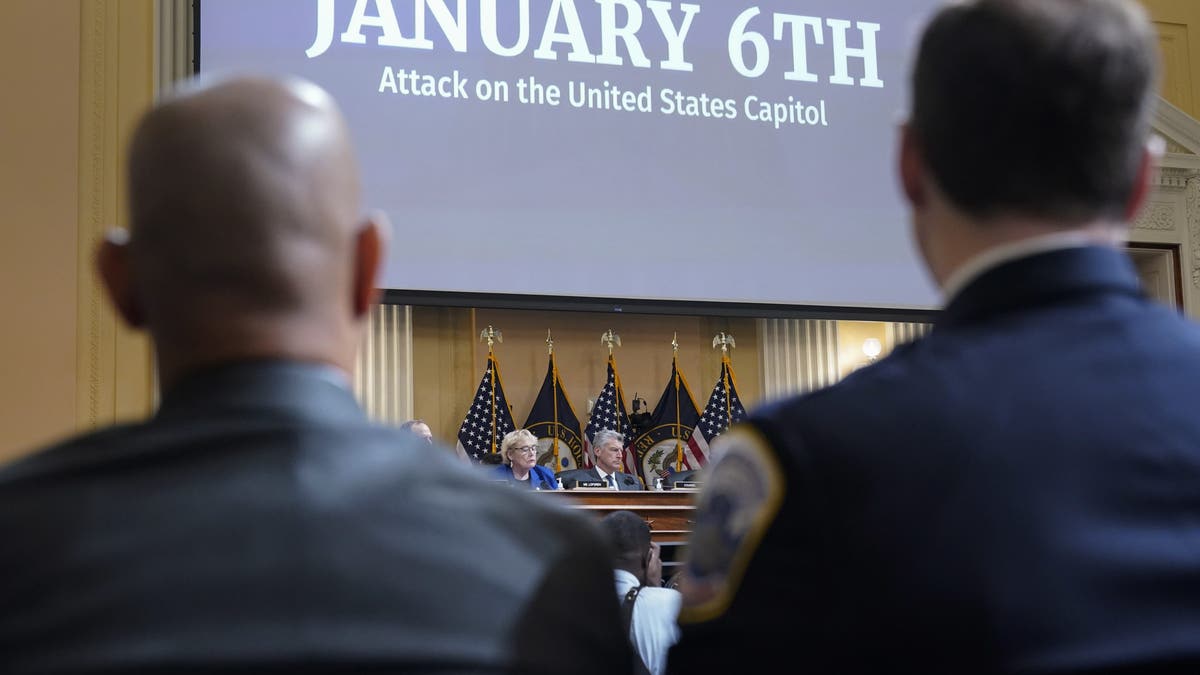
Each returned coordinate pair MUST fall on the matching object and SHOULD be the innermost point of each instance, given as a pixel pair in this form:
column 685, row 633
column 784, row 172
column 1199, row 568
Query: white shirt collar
column 998, row 255
column 626, row 578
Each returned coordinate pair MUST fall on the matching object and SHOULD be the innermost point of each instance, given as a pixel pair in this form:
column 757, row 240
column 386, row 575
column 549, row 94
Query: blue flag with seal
column 664, row 443
column 552, row 419
column 488, row 418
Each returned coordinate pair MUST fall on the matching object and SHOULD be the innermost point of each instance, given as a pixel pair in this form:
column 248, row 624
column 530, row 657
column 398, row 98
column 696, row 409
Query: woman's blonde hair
column 513, row 439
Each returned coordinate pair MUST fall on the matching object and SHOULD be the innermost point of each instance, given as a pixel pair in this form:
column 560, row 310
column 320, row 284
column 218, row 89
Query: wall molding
column 1193, row 225
column 902, row 333
column 1172, row 214
column 1172, row 178
column 383, row 371
column 93, row 313
column 113, row 373
column 797, row 355
column 1179, row 127
column 174, row 46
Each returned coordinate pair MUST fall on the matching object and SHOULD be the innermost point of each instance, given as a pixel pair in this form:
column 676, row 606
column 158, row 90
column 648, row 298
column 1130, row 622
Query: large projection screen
column 711, row 151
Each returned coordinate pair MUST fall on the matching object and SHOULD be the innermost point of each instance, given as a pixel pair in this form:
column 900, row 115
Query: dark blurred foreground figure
column 1020, row 491
column 258, row 520
column 649, row 610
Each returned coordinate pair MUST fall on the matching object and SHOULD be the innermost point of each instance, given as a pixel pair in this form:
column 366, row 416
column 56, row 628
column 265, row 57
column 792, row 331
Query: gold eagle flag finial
column 610, row 339
column 724, row 341
column 491, row 336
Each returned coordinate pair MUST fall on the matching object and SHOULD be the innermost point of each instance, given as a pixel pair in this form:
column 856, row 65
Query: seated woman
column 519, row 450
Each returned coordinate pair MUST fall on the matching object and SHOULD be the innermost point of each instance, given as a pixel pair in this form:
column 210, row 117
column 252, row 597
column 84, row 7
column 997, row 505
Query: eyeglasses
column 528, row 449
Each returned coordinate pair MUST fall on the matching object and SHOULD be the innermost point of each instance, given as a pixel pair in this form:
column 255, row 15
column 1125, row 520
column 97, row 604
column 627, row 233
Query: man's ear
column 116, row 273
column 369, row 247
column 1151, row 154
column 911, row 167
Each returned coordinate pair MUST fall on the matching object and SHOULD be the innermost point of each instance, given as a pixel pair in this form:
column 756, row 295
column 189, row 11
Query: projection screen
column 714, row 151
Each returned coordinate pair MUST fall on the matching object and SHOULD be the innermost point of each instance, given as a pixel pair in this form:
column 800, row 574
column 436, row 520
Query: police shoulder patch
column 742, row 493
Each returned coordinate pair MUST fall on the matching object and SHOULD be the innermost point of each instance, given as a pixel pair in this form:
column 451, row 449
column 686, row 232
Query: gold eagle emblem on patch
column 743, row 490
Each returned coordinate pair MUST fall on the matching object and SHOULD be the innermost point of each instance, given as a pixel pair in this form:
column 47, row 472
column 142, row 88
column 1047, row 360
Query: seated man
column 608, row 449
column 419, row 430
column 259, row 520
column 649, row 609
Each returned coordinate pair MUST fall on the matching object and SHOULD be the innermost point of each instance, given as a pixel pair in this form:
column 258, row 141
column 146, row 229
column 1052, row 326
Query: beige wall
column 39, row 175
column 75, row 74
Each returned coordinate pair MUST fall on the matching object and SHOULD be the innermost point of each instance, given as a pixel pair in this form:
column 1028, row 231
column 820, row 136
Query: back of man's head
column 628, row 537
column 1036, row 107
column 246, row 238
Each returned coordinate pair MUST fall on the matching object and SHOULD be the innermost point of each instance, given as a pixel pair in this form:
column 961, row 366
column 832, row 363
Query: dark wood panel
column 670, row 515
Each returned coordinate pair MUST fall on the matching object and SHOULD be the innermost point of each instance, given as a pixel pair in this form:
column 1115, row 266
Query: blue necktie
column 611, row 481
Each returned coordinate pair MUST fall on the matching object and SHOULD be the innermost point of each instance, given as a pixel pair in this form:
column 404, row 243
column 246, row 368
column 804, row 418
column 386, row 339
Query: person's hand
column 654, row 566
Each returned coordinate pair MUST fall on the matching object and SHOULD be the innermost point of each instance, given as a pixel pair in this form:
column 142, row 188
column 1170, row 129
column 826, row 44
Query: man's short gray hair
column 605, row 435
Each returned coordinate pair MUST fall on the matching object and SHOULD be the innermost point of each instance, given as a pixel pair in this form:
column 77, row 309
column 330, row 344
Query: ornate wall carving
column 1156, row 217
column 1193, row 219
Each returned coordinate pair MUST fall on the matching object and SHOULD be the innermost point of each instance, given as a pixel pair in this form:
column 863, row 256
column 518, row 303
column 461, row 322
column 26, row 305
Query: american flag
column 609, row 413
column 724, row 408
column 488, row 418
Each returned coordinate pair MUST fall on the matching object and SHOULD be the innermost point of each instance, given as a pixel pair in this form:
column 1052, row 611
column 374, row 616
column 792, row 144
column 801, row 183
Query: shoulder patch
column 742, row 493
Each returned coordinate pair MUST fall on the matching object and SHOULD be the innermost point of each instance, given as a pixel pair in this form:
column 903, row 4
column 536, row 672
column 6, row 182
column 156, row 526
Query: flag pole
column 492, row 336
column 554, row 391
column 675, row 379
column 725, row 365
column 725, row 341
column 609, row 338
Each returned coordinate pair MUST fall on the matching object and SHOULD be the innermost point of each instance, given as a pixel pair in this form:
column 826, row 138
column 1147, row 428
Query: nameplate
column 591, row 484
column 687, row 484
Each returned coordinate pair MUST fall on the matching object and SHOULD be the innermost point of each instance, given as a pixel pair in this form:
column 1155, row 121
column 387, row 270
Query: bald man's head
column 245, row 224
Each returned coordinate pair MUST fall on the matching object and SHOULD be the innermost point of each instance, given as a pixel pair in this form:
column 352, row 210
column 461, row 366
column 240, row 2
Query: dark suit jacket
column 1017, row 492
column 624, row 480
column 260, row 519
